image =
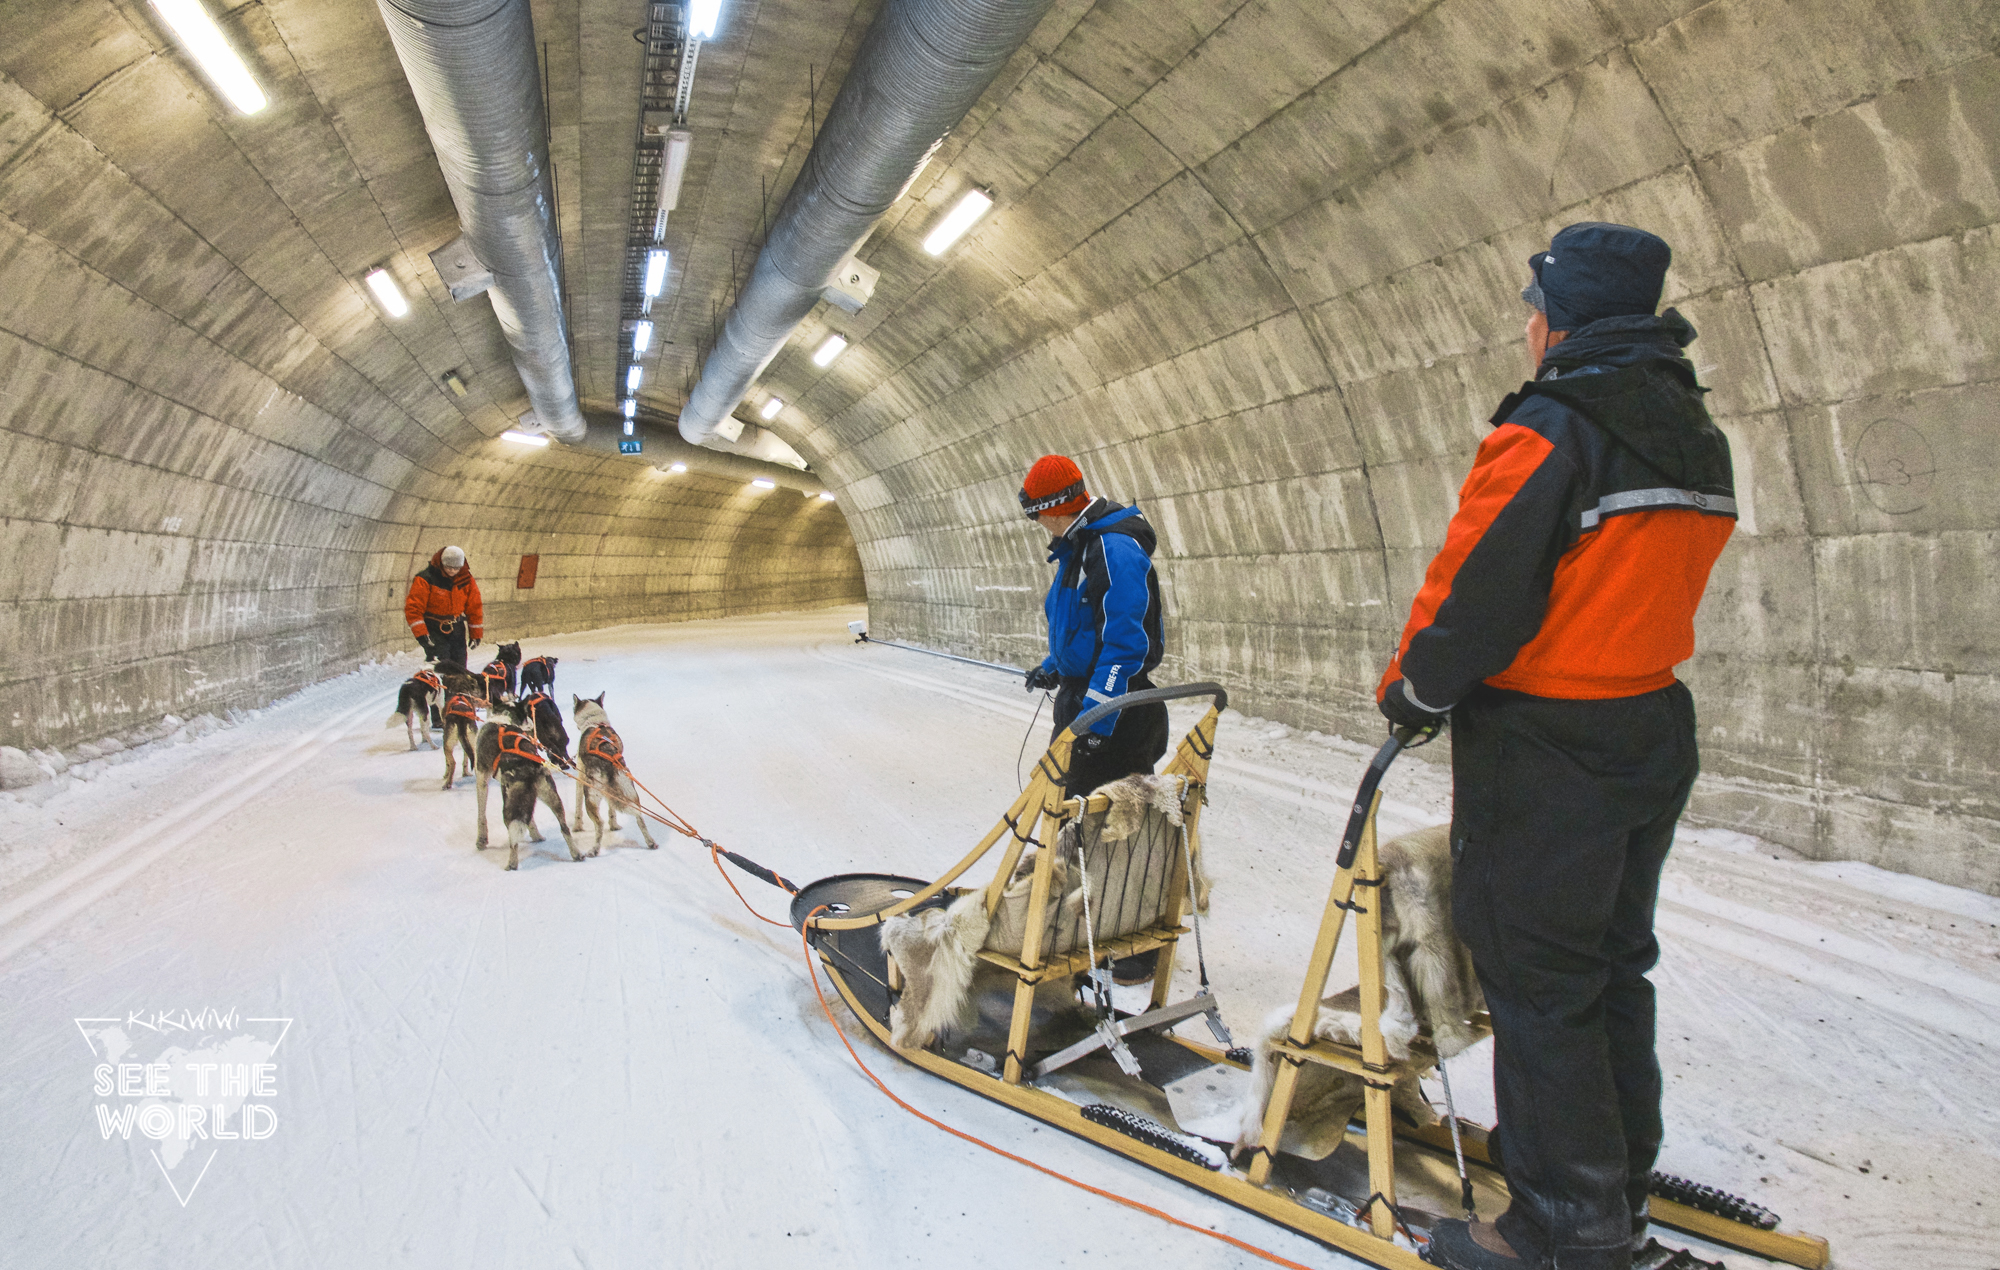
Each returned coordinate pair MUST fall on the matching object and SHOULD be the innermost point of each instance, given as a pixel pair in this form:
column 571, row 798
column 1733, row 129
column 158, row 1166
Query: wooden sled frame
column 1041, row 807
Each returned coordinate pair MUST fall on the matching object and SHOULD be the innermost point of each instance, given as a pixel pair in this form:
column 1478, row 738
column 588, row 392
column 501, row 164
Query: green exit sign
column 629, row 445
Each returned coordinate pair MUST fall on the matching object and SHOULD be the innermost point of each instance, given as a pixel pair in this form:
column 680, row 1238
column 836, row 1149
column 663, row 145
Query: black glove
column 474, row 643
column 1402, row 712
column 1090, row 743
column 430, row 653
column 1040, row 678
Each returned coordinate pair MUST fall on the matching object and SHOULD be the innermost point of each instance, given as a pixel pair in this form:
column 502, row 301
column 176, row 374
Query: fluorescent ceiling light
column 631, row 404
column 523, row 438
column 633, row 374
column 388, row 292
column 701, row 18
column 678, row 467
column 761, row 483
column 628, row 427
column 771, row 409
column 642, row 336
column 834, row 346
column 204, row 43
column 974, row 205
column 673, row 166
column 826, row 495
column 656, row 272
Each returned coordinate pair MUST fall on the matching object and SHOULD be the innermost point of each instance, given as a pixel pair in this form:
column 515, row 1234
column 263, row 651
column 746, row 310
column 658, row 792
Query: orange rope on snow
column 1115, row 1198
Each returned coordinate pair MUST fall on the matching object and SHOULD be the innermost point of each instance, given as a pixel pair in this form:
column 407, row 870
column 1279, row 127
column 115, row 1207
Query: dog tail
column 394, row 719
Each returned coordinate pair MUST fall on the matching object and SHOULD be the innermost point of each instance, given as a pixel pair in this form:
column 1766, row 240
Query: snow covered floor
column 611, row 1064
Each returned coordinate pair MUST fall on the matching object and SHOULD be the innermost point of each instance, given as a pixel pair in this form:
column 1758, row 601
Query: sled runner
column 1004, row 987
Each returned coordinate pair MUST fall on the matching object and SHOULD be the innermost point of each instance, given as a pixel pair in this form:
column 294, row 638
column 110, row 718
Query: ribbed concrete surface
column 1258, row 267
column 221, row 464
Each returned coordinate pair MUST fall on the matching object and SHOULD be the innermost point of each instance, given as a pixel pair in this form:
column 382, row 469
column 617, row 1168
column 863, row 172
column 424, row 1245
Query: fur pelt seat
column 1128, row 855
column 1428, row 983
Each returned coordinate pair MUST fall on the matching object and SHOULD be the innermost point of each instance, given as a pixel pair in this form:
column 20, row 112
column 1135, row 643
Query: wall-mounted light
column 678, row 467
column 631, row 407
column 656, row 272
column 456, row 382
column 523, row 438
column 204, row 43
column 642, row 336
column 633, row 374
column 702, row 15
column 761, row 483
column 833, row 347
column 771, row 409
column 826, row 496
column 974, row 205
column 387, row 293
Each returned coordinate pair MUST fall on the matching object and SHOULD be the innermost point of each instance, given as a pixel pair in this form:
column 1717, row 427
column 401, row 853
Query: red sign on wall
column 526, row 579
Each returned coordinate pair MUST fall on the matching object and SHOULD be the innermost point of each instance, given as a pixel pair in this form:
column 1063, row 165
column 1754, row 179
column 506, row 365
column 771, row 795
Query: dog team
column 504, row 719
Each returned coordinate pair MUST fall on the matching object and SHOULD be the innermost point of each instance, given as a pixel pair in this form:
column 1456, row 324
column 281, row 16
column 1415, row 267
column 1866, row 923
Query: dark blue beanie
column 1596, row 270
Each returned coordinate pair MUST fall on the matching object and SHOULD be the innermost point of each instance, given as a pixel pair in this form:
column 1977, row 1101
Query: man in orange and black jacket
column 1547, row 629
column 444, row 610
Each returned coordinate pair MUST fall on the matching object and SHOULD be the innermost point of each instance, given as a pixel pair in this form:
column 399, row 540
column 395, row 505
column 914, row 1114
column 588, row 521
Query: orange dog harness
column 462, row 707
column 600, row 742
column 428, row 678
column 517, row 743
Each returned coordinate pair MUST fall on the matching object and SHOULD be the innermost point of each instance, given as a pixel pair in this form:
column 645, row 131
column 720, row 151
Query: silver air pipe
column 921, row 67
column 471, row 65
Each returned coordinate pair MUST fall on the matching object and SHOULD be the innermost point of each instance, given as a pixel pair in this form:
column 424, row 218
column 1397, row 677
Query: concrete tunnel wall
column 1257, row 267
column 222, row 464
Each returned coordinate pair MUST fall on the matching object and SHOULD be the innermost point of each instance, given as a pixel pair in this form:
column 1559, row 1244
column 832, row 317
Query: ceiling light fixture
column 628, row 427
column 523, row 438
column 205, row 44
column 642, row 336
column 631, row 405
column 826, row 496
column 673, row 166
column 656, row 272
column 633, row 374
column 702, row 15
column 678, row 467
column 833, row 347
column 386, row 291
column 761, row 483
column 771, row 409
column 974, row 205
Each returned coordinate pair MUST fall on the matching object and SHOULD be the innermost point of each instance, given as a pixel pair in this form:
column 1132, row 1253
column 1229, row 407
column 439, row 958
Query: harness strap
column 517, row 743
column 429, row 678
column 599, row 741
column 462, row 707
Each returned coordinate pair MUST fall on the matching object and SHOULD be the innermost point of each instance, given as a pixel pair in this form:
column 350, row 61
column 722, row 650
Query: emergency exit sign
column 629, row 445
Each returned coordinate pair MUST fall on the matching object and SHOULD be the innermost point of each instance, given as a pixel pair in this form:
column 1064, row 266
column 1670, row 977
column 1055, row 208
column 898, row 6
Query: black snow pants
column 448, row 638
column 1562, row 814
column 1136, row 742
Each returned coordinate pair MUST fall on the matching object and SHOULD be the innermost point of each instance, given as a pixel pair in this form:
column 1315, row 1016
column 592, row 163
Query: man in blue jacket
column 1104, row 623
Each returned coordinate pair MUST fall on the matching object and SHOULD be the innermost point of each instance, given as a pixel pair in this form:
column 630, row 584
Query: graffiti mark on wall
column 1895, row 466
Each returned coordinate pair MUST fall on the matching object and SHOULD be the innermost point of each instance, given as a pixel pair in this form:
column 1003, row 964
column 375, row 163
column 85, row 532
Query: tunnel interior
column 1254, row 267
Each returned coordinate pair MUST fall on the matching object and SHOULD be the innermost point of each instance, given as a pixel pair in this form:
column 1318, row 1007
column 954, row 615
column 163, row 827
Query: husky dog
column 508, row 750
column 499, row 673
column 461, row 726
column 546, row 717
column 602, row 756
column 538, row 672
column 413, row 704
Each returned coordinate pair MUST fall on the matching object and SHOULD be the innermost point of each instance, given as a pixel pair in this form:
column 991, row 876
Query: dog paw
column 510, row 868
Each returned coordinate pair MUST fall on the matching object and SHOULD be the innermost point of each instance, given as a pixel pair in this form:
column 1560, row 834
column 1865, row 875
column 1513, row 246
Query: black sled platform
column 1080, row 882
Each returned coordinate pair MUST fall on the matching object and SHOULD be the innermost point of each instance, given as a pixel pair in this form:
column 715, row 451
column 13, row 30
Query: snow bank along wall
column 219, row 464
column 1257, row 267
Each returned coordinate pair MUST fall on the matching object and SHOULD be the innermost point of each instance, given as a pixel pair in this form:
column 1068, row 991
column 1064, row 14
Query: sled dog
column 461, row 730
column 538, row 673
column 413, row 704
column 499, row 673
column 602, row 756
column 545, row 716
column 508, row 750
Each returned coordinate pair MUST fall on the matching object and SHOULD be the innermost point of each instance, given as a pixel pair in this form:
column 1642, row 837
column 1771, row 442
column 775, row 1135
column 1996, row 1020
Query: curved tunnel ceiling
column 1255, row 265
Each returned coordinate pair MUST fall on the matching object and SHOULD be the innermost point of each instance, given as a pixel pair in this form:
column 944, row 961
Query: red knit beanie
column 1054, row 488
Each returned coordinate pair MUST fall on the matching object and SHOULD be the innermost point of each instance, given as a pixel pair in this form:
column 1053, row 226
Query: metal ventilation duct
column 472, row 66
column 920, row 68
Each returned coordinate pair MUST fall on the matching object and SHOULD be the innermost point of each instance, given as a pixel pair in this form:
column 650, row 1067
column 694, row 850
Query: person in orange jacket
column 443, row 608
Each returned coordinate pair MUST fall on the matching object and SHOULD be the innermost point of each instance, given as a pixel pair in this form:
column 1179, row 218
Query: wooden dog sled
column 1120, row 1077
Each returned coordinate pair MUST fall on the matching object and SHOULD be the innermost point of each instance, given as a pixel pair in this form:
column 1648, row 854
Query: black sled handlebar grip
column 1400, row 739
column 1081, row 723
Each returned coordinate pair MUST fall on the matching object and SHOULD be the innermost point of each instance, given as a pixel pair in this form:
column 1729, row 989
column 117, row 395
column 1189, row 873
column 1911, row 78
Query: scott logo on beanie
column 1054, row 487
column 1596, row 270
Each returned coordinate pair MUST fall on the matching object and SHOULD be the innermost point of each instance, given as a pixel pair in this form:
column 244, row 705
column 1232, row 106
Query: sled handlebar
column 1146, row 696
column 1400, row 739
